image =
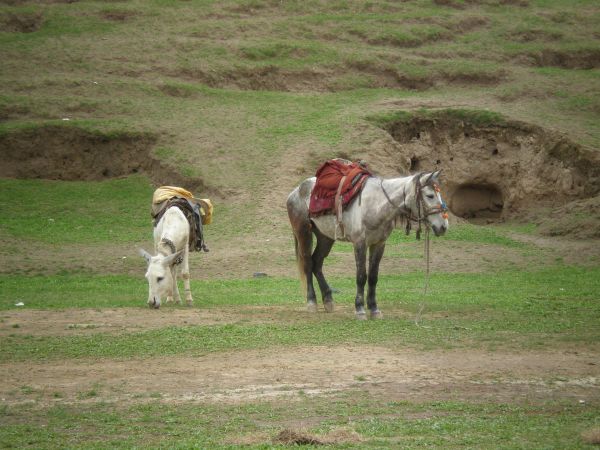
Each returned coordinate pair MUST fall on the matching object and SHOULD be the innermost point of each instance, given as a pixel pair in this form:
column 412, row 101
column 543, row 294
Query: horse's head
column 159, row 276
column 433, row 208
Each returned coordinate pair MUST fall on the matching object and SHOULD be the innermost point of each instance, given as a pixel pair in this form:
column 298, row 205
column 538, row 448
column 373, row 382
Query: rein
column 421, row 216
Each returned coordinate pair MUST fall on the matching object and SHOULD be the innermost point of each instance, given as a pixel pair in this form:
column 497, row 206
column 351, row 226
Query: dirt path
column 288, row 373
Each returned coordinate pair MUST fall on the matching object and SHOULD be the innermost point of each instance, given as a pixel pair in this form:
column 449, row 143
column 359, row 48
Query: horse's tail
column 300, row 264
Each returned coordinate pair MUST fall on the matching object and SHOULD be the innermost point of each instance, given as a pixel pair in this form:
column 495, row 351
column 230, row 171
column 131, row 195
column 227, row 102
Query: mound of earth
column 503, row 170
column 70, row 153
column 580, row 219
column 578, row 59
column 23, row 22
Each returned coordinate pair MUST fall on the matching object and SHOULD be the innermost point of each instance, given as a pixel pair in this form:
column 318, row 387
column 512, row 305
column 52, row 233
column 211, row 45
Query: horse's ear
column 170, row 260
column 147, row 256
column 430, row 177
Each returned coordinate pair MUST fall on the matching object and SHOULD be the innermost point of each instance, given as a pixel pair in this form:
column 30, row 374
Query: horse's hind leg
column 304, row 248
column 360, row 256
column 375, row 254
column 321, row 252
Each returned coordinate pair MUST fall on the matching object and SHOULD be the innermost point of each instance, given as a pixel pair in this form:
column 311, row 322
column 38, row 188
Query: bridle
column 423, row 211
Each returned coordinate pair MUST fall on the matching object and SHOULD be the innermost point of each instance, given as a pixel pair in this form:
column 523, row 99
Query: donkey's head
column 434, row 209
column 159, row 276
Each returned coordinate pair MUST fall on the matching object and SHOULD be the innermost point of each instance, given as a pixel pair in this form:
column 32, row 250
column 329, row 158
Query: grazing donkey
column 171, row 243
column 367, row 222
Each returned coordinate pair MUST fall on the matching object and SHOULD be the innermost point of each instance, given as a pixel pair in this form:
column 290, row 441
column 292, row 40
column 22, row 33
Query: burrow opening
column 496, row 171
column 477, row 202
column 72, row 154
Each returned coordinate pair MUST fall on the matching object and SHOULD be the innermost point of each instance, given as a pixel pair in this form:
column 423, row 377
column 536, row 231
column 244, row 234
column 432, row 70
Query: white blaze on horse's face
column 432, row 200
column 160, row 277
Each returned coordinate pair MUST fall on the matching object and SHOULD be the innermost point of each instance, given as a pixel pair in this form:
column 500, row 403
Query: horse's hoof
column 360, row 315
column 311, row 307
column 328, row 307
column 376, row 314
column 189, row 302
column 169, row 300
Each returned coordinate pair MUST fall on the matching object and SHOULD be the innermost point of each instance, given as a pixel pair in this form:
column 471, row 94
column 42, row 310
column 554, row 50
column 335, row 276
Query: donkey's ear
column 147, row 256
column 170, row 260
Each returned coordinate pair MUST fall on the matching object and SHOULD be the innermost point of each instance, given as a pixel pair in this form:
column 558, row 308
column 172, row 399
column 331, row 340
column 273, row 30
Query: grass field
column 245, row 98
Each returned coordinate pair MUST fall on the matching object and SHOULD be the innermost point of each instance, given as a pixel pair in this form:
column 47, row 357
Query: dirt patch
column 10, row 112
column 70, row 153
column 84, row 321
column 22, row 22
column 534, row 35
column 575, row 59
column 353, row 74
column 176, row 91
column 464, row 4
column 118, row 15
column 288, row 374
column 498, row 170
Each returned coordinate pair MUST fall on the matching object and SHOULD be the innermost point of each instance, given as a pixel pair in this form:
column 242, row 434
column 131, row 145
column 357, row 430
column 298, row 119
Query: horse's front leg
column 360, row 256
column 375, row 254
column 185, row 274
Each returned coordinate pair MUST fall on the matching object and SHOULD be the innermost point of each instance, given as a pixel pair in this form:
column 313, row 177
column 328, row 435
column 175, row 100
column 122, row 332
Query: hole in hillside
column 477, row 201
column 73, row 154
column 493, row 171
column 414, row 164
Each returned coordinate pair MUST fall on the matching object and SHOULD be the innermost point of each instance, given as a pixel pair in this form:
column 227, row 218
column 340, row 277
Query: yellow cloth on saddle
column 165, row 193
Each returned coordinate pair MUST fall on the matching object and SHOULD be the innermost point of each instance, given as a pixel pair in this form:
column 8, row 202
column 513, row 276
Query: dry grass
column 591, row 436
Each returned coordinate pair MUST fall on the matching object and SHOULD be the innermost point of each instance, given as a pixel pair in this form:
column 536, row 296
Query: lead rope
column 426, row 283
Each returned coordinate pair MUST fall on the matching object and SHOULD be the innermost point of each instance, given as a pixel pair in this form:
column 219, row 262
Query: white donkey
column 171, row 237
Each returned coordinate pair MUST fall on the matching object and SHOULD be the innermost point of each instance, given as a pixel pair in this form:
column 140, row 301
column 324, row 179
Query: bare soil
column 70, row 153
column 286, row 374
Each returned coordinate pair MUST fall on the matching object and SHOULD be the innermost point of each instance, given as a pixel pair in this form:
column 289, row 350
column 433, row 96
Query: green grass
column 533, row 309
column 380, row 423
column 184, row 73
column 76, row 212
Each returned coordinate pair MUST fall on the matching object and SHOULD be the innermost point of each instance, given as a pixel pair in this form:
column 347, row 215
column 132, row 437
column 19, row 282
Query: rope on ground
column 426, row 283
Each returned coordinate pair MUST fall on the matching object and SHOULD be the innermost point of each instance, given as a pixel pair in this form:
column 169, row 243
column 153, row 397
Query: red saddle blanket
column 336, row 178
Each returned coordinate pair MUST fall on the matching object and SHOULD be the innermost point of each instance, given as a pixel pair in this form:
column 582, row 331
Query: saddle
column 198, row 212
column 339, row 181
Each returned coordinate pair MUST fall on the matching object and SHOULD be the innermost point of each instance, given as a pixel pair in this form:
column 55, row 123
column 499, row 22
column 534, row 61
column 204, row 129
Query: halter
column 423, row 211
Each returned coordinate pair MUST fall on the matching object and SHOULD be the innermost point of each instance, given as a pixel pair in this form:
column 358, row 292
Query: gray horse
column 367, row 223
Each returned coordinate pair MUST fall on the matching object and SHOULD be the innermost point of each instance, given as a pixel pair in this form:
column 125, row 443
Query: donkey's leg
column 175, row 285
column 375, row 254
column 185, row 274
column 321, row 252
column 360, row 256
